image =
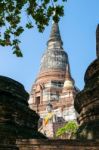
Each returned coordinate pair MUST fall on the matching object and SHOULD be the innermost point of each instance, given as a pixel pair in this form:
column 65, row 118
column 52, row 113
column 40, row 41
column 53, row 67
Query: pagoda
column 54, row 85
column 87, row 101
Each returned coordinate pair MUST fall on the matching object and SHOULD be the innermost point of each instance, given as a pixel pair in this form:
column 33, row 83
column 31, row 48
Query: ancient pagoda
column 87, row 101
column 54, row 85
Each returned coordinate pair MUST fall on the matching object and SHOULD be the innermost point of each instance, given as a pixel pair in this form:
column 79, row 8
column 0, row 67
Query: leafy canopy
column 11, row 17
column 71, row 128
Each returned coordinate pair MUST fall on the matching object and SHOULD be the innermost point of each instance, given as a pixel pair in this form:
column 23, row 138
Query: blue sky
column 77, row 28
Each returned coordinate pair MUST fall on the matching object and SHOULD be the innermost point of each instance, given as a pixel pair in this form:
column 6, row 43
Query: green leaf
column 17, row 51
column 19, row 31
column 29, row 25
column 70, row 127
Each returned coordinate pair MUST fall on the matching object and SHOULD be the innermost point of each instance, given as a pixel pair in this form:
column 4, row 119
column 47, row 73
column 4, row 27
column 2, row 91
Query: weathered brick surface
column 54, row 84
column 53, row 145
column 87, row 101
column 58, row 145
column 16, row 119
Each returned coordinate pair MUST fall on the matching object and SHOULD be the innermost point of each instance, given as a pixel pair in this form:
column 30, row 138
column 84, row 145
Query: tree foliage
column 11, row 17
column 70, row 128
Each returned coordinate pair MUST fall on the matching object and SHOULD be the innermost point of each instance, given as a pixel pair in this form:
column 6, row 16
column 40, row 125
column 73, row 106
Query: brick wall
column 52, row 145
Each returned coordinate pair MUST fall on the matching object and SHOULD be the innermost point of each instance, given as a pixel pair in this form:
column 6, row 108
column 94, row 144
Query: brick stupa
column 17, row 120
column 87, row 101
column 54, row 83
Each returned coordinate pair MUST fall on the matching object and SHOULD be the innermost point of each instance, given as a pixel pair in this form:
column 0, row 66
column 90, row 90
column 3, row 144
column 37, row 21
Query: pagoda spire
column 55, row 34
column 55, row 57
column 97, row 41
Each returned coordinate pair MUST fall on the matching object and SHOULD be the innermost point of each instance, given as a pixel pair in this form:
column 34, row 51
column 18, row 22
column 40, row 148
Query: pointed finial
column 54, row 12
column 68, row 74
column 97, row 41
column 69, row 82
column 55, row 33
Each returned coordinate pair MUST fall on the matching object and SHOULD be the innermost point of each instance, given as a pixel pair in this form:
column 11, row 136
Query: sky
column 78, row 29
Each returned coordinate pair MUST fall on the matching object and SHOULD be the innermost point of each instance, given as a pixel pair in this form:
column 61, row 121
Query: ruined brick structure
column 17, row 120
column 87, row 101
column 18, row 124
column 54, row 83
column 97, row 41
column 33, row 144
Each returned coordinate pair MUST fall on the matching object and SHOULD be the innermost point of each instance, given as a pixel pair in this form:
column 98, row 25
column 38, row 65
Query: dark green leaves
column 16, row 48
column 18, row 31
column 17, row 51
column 29, row 25
column 11, row 17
